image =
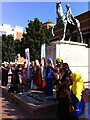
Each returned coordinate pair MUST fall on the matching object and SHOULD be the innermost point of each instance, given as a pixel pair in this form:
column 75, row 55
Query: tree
column 36, row 34
column 8, row 48
column 17, row 44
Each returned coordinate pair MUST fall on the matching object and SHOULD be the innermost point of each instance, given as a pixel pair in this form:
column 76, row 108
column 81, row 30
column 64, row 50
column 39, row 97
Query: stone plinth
column 74, row 53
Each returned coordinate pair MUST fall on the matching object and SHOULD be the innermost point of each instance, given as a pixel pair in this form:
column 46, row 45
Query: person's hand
column 56, row 76
column 71, row 108
column 2, row 67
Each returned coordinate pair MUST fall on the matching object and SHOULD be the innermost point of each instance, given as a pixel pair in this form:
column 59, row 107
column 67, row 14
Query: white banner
column 27, row 55
column 43, row 51
column 43, row 55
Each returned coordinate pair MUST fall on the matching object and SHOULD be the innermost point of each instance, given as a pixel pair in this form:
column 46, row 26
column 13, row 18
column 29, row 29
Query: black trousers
column 63, row 110
column 4, row 80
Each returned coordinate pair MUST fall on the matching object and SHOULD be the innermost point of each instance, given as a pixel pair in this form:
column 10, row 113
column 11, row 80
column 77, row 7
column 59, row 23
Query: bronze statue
column 64, row 20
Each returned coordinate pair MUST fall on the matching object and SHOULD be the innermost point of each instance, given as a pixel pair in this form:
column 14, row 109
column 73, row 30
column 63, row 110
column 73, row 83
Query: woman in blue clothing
column 49, row 78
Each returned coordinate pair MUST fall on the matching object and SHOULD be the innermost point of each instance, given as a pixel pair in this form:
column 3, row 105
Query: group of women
column 69, row 88
column 35, row 80
column 69, row 85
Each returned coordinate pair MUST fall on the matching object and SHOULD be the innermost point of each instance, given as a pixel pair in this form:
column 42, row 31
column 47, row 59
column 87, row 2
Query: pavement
column 10, row 110
column 19, row 109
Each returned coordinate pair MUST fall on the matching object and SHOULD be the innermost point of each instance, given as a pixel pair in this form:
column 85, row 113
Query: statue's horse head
column 59, row 11
column 58, row 4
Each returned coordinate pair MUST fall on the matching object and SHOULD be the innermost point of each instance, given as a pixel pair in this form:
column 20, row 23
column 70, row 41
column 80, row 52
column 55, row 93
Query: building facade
column 48, row 24
column 85, row 25
column 16, row 31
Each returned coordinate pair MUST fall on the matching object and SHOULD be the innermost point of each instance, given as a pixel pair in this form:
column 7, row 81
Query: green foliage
column 17, row 44
column 36, row 34
column 8, row 48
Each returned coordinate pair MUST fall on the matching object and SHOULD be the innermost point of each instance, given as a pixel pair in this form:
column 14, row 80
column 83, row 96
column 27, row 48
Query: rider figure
column 69, row 16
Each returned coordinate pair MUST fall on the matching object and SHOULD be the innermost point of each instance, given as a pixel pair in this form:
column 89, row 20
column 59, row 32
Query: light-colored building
column 48, row 24
column 16, row 31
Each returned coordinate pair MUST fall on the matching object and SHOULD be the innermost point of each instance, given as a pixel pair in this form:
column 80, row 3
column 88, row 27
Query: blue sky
column 18, row 13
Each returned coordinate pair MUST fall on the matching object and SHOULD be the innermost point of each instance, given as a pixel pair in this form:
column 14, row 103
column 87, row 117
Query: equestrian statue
column 65, row 21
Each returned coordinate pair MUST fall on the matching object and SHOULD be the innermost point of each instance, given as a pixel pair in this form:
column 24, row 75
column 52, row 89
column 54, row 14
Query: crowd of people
column 68, row 85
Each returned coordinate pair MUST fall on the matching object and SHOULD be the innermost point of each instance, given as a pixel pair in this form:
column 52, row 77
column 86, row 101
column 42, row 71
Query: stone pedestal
column 74, row 53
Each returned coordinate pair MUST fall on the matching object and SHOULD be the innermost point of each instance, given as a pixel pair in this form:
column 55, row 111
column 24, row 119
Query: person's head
column 67, row 6
column 50, row 61
column 16, row 64
column 65, row 65
column 77, row 77
column 59, row 60
column 66, row 69
column 5, row 64
column 37, row 62
column 32, row 63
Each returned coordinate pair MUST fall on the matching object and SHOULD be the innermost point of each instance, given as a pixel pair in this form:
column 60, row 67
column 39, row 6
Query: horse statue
column 66, row 20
